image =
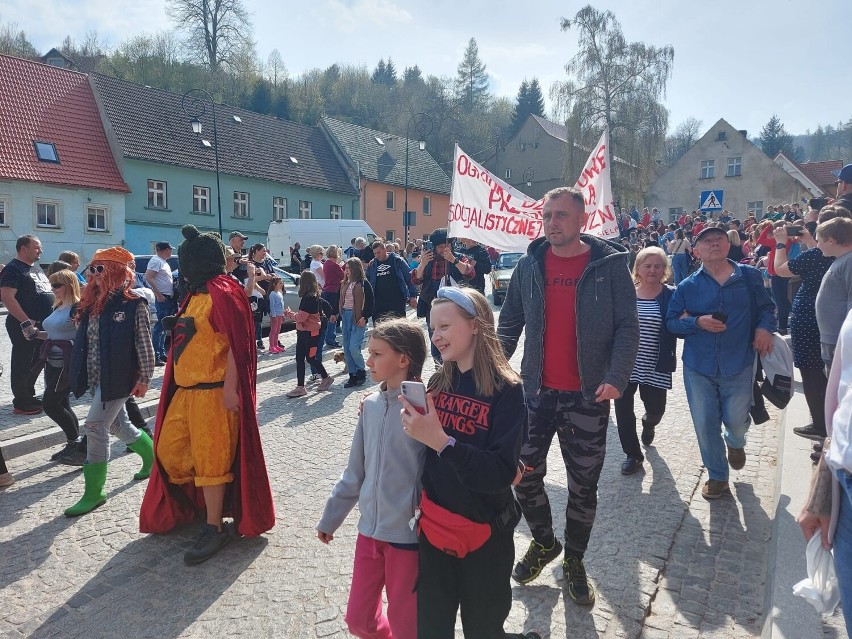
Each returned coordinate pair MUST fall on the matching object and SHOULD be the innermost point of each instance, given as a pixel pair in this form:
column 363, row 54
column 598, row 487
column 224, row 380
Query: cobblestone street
column 666, row 563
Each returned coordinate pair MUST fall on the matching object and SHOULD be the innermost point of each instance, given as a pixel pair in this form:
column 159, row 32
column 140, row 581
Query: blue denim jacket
column 748, row 306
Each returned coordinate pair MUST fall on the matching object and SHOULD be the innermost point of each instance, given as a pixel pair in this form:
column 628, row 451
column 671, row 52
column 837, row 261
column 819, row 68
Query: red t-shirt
column 561, row 276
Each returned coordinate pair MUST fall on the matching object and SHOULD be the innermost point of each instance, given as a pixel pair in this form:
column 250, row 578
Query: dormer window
column 46, row 151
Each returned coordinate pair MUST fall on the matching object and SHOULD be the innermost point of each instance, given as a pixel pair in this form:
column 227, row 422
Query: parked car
column 501, row 274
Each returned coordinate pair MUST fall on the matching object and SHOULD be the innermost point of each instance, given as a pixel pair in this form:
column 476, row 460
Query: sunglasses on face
column 97, row 269
column 56, row 284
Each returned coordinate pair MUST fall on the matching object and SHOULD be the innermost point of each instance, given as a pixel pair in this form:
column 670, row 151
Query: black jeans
column 478, row 583
column 57, row 405
column 386, row 312
column 134, row 414
column 780, row 293
column 306, row 349
column 654, row 400
column 3, row 469
column 24, row 353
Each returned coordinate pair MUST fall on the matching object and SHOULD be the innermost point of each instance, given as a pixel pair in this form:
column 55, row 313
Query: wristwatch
column 780, row 246
column 455, row 260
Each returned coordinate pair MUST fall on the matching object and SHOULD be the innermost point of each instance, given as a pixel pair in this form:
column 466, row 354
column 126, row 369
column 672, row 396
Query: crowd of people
column 443, row 483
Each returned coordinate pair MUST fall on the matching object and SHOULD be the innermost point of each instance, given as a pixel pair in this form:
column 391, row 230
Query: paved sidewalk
column 666, row 563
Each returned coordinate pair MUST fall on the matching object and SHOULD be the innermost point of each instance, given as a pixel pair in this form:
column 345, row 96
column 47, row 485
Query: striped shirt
column 650, row 326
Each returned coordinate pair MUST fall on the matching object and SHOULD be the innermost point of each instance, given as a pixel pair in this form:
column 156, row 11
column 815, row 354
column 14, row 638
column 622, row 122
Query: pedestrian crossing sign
column 711, row 200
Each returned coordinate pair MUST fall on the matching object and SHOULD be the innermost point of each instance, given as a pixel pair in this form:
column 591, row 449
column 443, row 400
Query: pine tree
column 472, row 80
column 412, row 75
column 390, row 73
column 536, row 100
column 774, row 138
column 379, row 74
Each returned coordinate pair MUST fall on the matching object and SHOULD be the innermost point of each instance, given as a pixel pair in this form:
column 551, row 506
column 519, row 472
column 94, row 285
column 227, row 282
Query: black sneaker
column 353, row 381
column 208, row 543
column 73, row 455
column 260, row 345
column 534, row 561
column 630, row 465
column 68, row 447
column 648, row 433
column 810, row 432
column 576, row 582
column 360, row 378
column 160, row 362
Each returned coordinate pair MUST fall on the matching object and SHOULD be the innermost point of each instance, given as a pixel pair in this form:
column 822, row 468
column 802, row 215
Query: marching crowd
column 443, row 479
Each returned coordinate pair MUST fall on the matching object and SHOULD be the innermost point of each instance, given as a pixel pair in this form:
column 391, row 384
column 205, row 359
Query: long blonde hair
column 491, row 369
column 72, row 285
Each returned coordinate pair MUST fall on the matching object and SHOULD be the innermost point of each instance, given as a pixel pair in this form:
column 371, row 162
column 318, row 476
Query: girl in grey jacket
column 383, row 477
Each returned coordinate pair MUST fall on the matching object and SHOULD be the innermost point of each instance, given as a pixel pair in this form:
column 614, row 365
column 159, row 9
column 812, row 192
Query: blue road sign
column 711, row 200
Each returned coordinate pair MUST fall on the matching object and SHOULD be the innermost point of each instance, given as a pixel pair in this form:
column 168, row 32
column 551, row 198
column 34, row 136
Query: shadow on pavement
column 147, row 591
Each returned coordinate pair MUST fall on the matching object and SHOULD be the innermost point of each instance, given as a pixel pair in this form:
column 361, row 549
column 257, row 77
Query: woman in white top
column 316, row 252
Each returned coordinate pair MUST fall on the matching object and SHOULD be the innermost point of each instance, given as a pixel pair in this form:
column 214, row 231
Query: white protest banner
column 486, row 209
column 594, row 182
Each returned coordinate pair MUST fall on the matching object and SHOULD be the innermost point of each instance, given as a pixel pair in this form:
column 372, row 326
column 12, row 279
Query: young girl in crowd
column 475, row 426
column 276, row 313
column 383, row 477
column 307, row 320
column 356, row 305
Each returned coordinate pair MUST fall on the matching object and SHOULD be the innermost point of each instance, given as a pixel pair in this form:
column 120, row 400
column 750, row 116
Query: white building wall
column 19, row 200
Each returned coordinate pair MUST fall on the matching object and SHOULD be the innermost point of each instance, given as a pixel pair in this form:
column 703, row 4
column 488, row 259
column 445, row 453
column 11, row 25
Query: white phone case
column 415, row 393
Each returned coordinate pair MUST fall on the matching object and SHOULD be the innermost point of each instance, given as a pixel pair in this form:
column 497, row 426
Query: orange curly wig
column 116, row 279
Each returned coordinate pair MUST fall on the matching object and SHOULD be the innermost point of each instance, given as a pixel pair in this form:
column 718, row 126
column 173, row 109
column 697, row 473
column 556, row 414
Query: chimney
column 744, row 133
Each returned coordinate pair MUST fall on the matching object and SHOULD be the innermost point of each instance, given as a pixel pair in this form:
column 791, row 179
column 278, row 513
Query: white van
column 285, row 233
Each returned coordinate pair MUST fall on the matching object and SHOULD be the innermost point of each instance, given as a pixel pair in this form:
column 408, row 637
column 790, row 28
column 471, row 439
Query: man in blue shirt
column 725, row 314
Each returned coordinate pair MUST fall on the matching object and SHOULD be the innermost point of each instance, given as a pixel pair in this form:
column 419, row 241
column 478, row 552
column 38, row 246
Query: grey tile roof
column 151, row 125
column 558, row 131
column 386, row 162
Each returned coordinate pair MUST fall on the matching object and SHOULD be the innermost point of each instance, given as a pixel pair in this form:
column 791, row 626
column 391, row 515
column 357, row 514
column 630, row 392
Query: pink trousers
column 379, row 565
column 275, row 328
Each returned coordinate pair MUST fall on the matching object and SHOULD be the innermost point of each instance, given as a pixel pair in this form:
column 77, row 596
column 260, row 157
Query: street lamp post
column 195, row 107
column 529, row 174
column 421, row 122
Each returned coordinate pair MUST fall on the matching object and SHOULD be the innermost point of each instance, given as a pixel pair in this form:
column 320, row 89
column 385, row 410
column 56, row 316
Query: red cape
column 248, row 498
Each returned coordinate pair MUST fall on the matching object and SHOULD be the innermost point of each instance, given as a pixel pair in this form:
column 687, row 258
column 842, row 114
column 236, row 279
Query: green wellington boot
column 94, row 495
column 143, row 447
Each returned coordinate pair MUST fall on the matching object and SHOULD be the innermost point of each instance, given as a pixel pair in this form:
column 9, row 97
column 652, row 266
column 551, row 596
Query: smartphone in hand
column 415, row 394
column 719, row 316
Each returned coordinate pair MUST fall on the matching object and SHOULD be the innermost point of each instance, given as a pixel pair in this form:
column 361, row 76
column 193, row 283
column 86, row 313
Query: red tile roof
column 48, row 104
column 820, row 173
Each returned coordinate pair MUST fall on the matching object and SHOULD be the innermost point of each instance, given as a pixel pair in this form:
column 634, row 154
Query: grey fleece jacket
column 382, row 476
column 607, row 324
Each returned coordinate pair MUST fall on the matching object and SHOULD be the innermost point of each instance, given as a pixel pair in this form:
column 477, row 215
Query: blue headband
column 457, row 297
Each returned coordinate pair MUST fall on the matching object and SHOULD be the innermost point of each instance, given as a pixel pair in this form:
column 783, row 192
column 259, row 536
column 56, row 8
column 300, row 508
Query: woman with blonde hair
column 735, row 251
column 55, row 358
column 655, row 361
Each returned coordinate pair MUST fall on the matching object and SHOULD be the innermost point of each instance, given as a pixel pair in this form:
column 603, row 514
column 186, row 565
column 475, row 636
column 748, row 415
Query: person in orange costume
column 208, row 451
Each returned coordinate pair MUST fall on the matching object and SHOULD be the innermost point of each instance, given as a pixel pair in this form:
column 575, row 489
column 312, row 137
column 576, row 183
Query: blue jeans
column 158, row 335
column 713, row 401
column 680, row 266
column 353, row 338
column 843, row 547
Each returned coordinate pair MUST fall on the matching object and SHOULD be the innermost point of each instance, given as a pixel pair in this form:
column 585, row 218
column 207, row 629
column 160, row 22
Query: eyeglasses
column 56, row 284
column 97, row 269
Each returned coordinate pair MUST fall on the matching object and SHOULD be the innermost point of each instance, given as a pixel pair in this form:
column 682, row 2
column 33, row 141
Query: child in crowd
column 308, row 324
column 475, row 426
column 383, row 477
column 276, row 313
column 356, row 305
column 326, row 316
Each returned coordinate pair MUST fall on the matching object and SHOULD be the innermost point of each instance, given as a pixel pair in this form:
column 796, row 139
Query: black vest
column 119, row 363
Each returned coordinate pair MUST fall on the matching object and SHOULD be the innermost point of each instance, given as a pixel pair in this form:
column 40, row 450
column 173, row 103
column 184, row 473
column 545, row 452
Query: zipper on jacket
column 379, row 465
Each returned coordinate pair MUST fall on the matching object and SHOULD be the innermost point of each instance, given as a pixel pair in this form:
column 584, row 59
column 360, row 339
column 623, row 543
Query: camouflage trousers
column 580, row 425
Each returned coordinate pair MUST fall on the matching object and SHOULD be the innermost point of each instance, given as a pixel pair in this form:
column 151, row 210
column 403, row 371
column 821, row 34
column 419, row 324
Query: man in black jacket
column 844, row 187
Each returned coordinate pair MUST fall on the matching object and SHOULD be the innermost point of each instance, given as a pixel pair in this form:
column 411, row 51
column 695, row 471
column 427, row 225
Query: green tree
column 775, row 139
column 15, row 42
column 472, row 80
column 685, row 135
column 276, row 71
column 529, row 102
column 216, row 32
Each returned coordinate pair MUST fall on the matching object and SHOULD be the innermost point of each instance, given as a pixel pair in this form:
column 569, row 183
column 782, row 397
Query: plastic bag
column 820, row 588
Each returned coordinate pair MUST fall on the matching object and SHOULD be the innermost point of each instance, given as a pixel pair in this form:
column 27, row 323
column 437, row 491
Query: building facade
column 724, row 170
column 377, row 162
column 58, row 177
column 269, row 169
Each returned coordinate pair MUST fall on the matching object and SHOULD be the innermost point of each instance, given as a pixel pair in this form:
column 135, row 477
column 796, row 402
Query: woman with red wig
column 113, row 358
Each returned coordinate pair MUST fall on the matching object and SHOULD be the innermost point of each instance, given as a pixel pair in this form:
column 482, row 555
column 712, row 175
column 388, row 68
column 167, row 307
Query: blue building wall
column 146, row 226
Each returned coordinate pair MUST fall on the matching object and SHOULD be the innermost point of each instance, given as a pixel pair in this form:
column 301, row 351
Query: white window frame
column 735, row 167
column 305, row 209
column 241, row 204
column 57, row 213
column 390, row 198
column 5, row 212
column 427, row 205
column 104, row 209
column 200, row 199
column 158, row 188
column 279, row 208
column 757, row 207
column 389, row 235
column 335, row 212
column 708, row 169
column 675, row 212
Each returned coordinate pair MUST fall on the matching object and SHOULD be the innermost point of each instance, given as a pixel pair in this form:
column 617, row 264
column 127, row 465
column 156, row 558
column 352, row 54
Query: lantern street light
column 195, row 106
column 422, row 127
column 529, row 174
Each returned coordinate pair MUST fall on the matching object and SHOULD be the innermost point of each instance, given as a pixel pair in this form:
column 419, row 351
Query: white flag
column 595, row 184
column 486, row 209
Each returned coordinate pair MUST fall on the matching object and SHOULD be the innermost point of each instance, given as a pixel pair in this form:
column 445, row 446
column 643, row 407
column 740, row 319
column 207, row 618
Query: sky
column 742, row 60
